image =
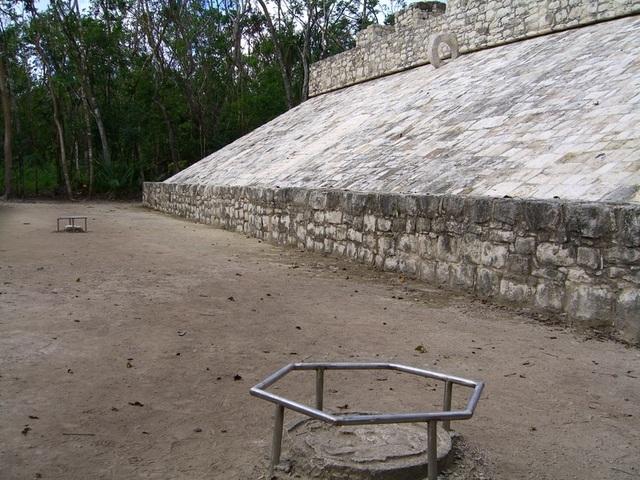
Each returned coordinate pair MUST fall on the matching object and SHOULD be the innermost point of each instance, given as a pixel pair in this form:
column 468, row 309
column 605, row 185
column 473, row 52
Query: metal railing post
column 448, row 393
column 432, row 449
column 276, row 447
column 431, row 417
column 319, row 388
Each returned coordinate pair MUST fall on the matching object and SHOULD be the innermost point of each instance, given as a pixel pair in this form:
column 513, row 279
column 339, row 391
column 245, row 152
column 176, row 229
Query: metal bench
column 72, row 227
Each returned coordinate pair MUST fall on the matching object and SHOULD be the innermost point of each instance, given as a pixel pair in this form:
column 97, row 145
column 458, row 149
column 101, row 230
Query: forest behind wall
column 99, row 96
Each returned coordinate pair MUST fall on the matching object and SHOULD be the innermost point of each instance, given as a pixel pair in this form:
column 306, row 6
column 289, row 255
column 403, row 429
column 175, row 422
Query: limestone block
column 590, row 221
column 439, row 225
column 309, row 243
column 506, row 236
column 591, row 304
column 368, row 256
column 452, row 206
column 389, row 205
column 410, row 225
column 442, row 273
column 318, row 200
column 426, row 246
column 506, row 211
column 487, row 282
column 628, row 223
column 549, row 296
column 463, row 276
column 555, row 254
column 407, row 243
column 357, row 222
column 369, row 223
column 427, row 271
column 301, row 231
column 408, row 265
column 386, row 246
column 328, row 245
column 423, row 224
column 355, row 203
column 334, row 216
column 399, row 224
column 479, row 210
column 447, row 248
column 471, row 249
column 589, row 257
column 428, row 205
column 515, row 292
column 384, row 224
column 351, row 250
column 627, row 318
column 341, row 232
column 542, row 215
column 580, row 275
column 494, row 255
column 390, row 264
column 519, row 264
column 525, row 245
column 354, row 235
column 408, row 205
column 369, row 240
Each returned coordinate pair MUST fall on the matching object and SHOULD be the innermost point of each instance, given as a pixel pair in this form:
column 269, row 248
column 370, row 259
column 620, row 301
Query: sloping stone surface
column 558, row 115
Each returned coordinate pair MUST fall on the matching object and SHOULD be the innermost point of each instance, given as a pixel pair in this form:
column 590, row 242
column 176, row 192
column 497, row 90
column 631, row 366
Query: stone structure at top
column 381, row 50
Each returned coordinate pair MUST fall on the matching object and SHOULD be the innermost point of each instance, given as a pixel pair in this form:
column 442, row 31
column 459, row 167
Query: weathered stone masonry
column 581, row 260
column 477, row 24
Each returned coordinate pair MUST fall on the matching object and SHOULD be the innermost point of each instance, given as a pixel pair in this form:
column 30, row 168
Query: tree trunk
column 306, row 52
column 363, row 21
column 89, row 140
column 76, row 156
column 286, row 81
column 60, row 130
column 8, row 132
column 102, row 131
column 172, row 137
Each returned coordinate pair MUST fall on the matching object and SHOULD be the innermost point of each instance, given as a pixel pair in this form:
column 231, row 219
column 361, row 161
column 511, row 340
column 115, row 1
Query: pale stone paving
column 555, row 116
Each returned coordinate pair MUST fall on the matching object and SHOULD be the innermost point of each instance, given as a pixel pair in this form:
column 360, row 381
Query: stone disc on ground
column 363, row 452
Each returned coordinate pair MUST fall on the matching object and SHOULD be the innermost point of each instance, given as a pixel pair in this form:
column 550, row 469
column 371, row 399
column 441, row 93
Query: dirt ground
column 128, row 353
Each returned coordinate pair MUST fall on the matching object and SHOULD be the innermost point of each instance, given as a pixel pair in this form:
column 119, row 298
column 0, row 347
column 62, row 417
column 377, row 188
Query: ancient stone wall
column 477, row 24
column 576, row 260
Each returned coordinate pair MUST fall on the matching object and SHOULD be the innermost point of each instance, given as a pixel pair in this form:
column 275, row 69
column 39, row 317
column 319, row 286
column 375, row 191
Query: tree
column 130, row 90
column 68, row 15
column 5, row 93
column 6, row 12
column 46, row 64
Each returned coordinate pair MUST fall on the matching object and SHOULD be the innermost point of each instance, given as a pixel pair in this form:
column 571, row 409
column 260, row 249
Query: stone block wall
column 579, row 261
column 477, row 24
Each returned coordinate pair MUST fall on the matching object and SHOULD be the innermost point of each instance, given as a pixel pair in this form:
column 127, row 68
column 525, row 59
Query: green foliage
column 158, row 85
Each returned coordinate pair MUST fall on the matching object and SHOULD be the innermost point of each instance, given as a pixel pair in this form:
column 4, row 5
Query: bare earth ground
column 150, row 309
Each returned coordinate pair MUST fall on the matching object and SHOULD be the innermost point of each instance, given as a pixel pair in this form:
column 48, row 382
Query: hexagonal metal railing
column 432, row 418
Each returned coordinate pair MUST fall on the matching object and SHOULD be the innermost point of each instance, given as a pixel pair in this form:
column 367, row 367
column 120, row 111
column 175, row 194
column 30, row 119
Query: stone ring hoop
column 436, row 42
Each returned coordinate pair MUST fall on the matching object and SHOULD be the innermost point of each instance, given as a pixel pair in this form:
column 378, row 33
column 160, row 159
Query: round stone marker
column 363, row 452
